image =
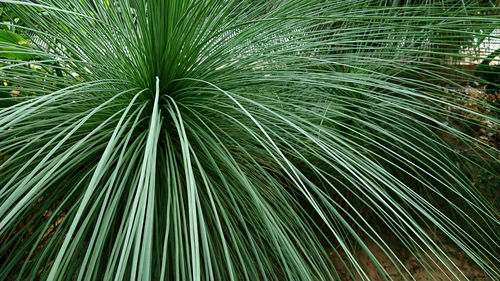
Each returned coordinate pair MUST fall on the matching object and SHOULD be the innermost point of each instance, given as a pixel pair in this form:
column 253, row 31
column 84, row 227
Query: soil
column 414, row 269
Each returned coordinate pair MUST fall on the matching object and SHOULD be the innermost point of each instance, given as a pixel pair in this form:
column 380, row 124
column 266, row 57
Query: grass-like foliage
column 239, row 139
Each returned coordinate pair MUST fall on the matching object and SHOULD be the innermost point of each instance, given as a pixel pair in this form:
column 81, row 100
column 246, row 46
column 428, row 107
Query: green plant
column 12, row 46
column 236, row 140
column 490, row 73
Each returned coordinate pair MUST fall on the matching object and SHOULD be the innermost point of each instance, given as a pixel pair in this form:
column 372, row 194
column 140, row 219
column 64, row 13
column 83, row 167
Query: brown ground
column 416, row 271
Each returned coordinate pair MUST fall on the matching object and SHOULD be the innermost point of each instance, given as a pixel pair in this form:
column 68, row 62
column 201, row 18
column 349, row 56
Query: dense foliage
column 239, row 140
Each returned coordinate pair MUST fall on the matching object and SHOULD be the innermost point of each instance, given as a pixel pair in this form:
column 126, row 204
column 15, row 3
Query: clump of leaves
column 236, row 140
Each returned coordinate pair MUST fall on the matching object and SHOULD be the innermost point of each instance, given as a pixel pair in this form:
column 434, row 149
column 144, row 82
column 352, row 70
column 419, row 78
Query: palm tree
column 239, row 140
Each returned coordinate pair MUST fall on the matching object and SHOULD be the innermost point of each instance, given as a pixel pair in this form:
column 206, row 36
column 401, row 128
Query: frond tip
column 242, row 140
